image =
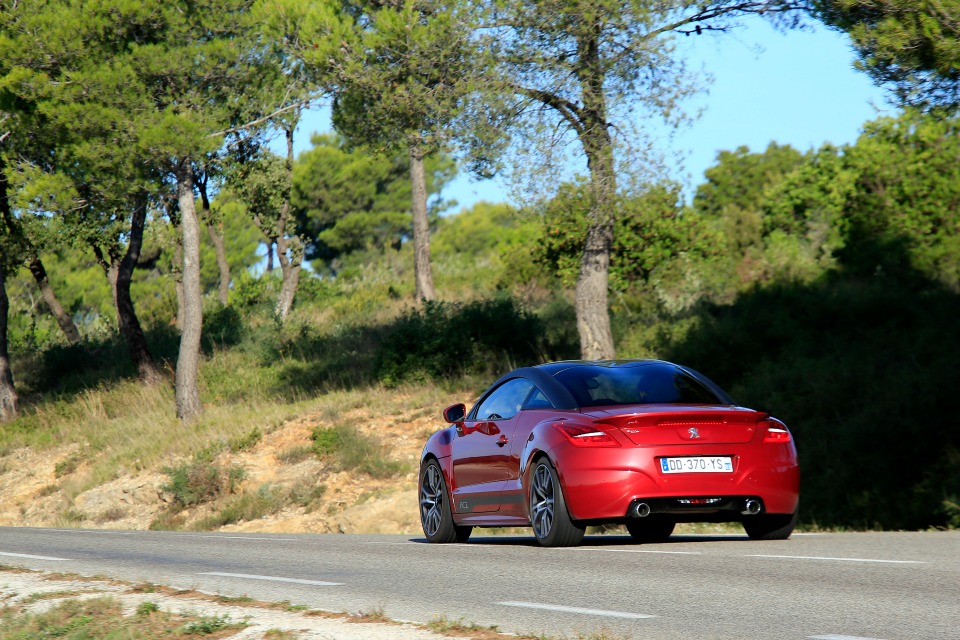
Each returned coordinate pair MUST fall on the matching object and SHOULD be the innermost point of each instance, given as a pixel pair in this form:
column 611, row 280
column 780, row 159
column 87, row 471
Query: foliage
column 352, row 450
column 245, row 507
column 508, row 239
column 859, row 370
column 201, row 480
column 448, row 339
column 103, row 618
column 407, row 74
column 907, row 191
column 910, row 46
column 650, row 231
column 348, row 199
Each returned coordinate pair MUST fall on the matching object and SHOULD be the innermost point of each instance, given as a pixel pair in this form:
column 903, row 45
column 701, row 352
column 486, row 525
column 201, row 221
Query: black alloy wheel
column 551, row 522
column 435, row 514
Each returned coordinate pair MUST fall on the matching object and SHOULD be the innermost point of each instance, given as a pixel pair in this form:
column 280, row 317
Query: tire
column 650, row 529
column 436, row 517
column 770, row 526
column 551, row 522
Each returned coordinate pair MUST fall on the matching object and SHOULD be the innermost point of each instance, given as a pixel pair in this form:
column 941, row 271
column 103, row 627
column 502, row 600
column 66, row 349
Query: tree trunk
column 178, row 282
column 289, row 252
column 422, row 273
column 63, row 318
column 130, row 329
column 290, row 268
column 215, row 231
column 593, row 283
column 8, row 392
column 269, row 244
column 188, row 361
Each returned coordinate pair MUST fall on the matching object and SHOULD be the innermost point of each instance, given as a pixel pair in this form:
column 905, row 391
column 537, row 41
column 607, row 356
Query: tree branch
column 570, row 111
column 296, row 105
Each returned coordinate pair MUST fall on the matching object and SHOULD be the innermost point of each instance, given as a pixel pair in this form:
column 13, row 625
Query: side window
column 506, row 401
column 537, row 401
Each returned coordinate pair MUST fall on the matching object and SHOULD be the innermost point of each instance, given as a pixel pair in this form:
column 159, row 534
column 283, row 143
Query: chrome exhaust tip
column 640, row 510
column 751, row 507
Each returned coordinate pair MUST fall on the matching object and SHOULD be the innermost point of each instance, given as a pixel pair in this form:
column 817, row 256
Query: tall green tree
column 906, row 199
column 651, row 230
column 733, row 198
column 74, row 106
column 585, row 69
column 350, row 199
column 263, row 185
column 166, row 82
column 403, row 83
column 912, row 47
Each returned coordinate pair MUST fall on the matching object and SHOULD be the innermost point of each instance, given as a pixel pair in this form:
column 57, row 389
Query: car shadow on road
column 601, row 540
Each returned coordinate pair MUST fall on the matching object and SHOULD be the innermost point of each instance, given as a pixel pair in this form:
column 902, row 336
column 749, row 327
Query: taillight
column 583, row 436
column 776, row 434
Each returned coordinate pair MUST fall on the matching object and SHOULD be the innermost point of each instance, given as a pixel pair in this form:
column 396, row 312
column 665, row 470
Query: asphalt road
column 835, row 586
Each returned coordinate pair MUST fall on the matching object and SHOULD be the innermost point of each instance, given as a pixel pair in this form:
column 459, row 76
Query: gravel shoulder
column 30, row 592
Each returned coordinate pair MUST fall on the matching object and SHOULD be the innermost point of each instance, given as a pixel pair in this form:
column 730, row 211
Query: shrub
column 201, row 480
column 444, row 339
column 350, row 449
column 247, row 506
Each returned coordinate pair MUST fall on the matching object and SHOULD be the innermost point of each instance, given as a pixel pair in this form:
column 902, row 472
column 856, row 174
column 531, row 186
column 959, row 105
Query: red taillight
column 776, row 434
column 583, row 436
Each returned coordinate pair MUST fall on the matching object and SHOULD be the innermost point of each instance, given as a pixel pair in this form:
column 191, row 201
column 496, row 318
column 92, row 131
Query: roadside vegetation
column 851, row 341
column 172, row 290
column 62, row 606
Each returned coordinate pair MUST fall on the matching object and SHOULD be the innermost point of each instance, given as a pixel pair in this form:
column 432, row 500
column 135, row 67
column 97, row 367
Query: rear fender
column 545, row 439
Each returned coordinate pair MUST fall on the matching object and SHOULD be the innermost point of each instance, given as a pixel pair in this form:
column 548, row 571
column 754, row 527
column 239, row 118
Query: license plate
column 697, row 464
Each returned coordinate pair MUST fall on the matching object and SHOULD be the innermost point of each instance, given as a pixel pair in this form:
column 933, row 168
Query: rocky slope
column 308, row 493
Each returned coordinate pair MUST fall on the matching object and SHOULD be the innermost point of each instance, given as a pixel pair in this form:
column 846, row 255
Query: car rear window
column 655, row 383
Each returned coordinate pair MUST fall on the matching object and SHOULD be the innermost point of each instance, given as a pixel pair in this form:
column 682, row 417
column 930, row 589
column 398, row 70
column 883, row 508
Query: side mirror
column 455, row 413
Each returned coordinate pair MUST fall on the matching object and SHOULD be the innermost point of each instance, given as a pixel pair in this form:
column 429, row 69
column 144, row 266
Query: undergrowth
column 103, row 618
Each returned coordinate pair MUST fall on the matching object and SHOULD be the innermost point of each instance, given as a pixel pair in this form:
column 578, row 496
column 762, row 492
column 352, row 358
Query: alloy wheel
column 431, row 500
column 542, row 501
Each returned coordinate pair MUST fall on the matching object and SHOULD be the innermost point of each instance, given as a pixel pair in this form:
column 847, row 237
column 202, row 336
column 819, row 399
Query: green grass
column 246, row 506
column 103, row 619
column 351, row 449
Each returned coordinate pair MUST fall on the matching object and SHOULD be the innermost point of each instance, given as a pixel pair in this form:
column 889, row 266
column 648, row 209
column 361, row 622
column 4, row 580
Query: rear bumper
column 602, row 485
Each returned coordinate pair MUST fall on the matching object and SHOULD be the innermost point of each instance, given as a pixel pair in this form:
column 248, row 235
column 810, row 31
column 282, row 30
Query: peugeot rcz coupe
column 642, row 443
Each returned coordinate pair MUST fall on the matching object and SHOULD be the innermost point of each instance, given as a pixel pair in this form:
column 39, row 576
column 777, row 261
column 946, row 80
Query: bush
column 863, row 372
column 201, row 480
column 222, row 326
column 245, row 507
column 350, row 449
column 445, row 339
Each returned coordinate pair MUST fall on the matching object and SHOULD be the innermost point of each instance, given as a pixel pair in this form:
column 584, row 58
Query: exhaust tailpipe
column 751, row 507
column 640, row 510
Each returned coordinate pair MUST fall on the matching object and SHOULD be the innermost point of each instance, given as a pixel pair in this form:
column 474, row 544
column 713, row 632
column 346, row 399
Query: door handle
column 502, row 441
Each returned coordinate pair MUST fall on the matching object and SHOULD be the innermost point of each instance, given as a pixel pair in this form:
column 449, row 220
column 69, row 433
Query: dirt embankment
column 311, row 494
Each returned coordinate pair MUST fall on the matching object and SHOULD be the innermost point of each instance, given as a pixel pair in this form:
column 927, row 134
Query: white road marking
column 98, row 532
column 836, row 637
column 222, row 537
column 317, row 583
column 251, row 538
column 839, row 559
column 670, row 553
column 589, row 612
column 30, row 557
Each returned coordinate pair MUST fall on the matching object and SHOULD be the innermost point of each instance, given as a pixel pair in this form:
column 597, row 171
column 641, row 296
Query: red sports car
column 644, row 443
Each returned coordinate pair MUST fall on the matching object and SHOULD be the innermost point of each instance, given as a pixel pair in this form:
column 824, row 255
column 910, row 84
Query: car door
column 481, row 450
column 536, row 408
